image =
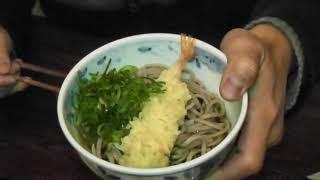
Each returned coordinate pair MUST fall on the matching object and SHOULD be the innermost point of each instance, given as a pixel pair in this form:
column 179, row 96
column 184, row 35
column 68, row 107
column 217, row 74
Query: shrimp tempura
column 154, row 132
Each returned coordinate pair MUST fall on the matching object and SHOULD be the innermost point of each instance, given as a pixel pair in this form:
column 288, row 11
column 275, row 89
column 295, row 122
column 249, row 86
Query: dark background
column 32, row 145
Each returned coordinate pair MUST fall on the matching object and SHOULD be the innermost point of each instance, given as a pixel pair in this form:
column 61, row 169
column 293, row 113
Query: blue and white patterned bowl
column 144, row 49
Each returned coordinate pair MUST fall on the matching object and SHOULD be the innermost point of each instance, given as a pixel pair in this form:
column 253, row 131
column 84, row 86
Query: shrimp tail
column 187, row 44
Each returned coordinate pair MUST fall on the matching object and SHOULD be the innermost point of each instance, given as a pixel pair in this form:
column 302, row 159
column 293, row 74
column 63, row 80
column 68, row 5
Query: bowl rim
column 138, row 171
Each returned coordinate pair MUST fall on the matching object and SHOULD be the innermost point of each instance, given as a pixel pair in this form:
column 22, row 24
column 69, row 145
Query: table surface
column 32, row 145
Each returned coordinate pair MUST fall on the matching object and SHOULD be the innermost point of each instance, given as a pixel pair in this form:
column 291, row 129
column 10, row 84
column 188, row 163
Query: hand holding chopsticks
column 42, row 70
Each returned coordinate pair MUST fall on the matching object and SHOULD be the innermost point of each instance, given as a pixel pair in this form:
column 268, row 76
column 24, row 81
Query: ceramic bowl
column 144, row 49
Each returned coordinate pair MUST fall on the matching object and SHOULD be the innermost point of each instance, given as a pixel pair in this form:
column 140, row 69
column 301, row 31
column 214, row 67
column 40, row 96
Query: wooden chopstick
column 39, row 84
column 43, row 70
column 39, row 69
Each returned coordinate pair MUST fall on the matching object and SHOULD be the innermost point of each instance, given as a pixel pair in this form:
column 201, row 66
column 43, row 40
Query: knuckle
column 277, row 133
column 237, row 32
column 15, row 67
column 252, row 164
column 232, row 35
column 246, row 70
column 241, row 41
column 248, row 66
column 273, row 110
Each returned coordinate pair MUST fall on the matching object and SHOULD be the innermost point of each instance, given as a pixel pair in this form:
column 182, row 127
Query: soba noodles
column 204, row 127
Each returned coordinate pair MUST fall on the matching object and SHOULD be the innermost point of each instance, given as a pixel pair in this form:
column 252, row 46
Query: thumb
column 244, row 53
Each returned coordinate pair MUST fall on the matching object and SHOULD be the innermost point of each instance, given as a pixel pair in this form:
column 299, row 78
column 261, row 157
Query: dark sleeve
column 299, row 21
column 15, row 17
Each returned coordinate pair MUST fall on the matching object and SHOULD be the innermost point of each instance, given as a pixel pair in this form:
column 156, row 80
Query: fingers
column 15, row 67
column 7, row 80
column 263, row 128
column 254, row 139
column 245, row 54
column 20, row 86
column 251, row 64
column 9, row 71
column 249, row 156
column 252, row 148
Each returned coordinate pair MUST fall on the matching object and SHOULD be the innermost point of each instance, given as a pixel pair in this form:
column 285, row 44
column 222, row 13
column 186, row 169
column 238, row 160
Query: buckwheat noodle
column 204, row 127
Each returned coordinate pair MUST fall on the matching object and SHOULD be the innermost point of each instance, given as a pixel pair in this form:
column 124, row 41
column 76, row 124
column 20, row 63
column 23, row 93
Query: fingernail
column 232, row 88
